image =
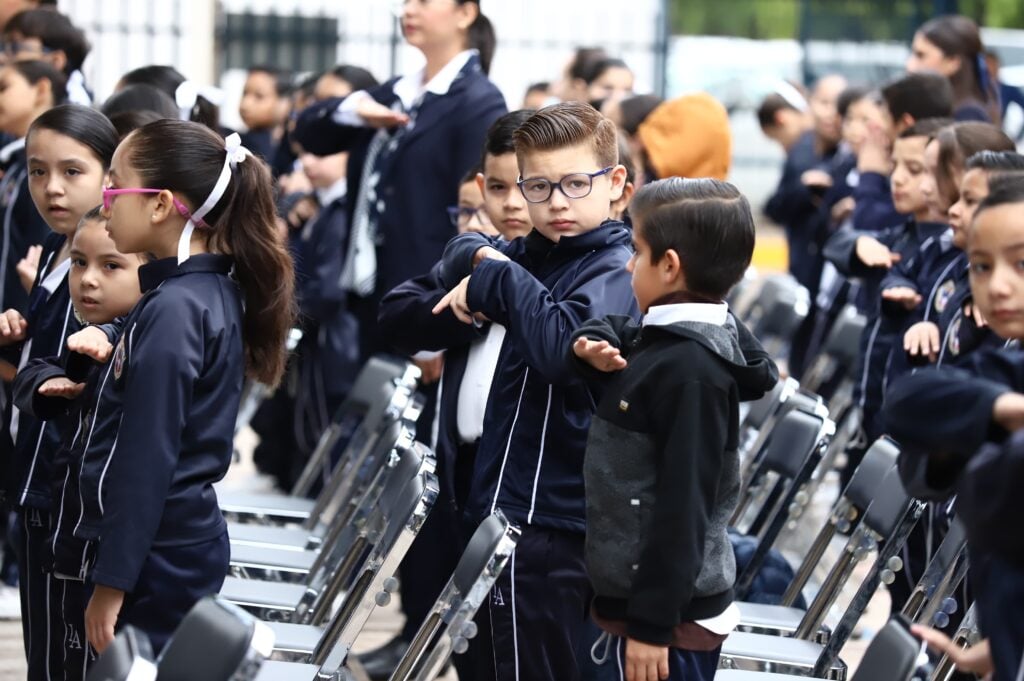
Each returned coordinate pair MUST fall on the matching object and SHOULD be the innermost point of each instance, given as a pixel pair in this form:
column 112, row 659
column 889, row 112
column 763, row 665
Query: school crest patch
column 119, row 353
column 942, row 296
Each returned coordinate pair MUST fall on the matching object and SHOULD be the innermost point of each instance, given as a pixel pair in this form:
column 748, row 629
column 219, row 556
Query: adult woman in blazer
column 410, row 141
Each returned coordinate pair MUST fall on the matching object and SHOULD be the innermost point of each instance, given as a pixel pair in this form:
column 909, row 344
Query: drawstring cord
column 607, row 640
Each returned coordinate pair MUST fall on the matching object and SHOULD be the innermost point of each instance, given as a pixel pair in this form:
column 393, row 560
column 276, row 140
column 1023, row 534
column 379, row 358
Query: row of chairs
column 788, row 443
column 306, row 573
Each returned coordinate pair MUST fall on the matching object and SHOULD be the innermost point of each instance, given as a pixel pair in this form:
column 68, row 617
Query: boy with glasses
column 529, row 460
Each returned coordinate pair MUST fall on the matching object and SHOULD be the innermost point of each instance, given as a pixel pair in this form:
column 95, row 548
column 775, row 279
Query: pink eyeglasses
column 109, row 194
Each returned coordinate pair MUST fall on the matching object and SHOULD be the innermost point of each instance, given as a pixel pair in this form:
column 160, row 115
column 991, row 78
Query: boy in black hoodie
column 661, row 466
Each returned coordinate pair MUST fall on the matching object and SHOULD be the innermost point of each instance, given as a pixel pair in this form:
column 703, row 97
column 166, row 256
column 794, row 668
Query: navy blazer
column 421, row 178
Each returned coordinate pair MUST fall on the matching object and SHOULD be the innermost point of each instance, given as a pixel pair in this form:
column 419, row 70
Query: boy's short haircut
column 470, row 175
column 356, row 76
column 1003, row 190
column 919, row 95
column 770, row 108
column 996, row 162
column 36, row 70
column 854, row 94
column 55, row 31
column 499, row 136
column 927, row 127
column 283, row 84
column 707, row 222
column 565, row 125
column 542, row 86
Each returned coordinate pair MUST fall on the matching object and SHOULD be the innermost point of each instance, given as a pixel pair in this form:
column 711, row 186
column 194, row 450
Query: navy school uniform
column 529, row 462
column 883, row 328
column 160, row 435
column 796, row 209
column 874, row 208
column 419, row 173
column 942, row 417
column 28, row 471
column 408, row 326
column 22, row 225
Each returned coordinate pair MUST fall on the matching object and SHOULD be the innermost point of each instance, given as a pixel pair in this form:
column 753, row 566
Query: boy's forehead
column 910, row 146
column 501, row 165
column 553, row 164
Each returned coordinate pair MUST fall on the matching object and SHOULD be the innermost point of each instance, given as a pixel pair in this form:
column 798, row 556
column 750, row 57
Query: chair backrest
column 214, row 641
column 382, row 387
column 892, row 654
column 334, row 568
column 781, row 306
column 889, row 506
column 843, row 342
column 400, row 519
column 928, row 602
column 880, row 458
column 449, row 625
column 128, row 658
column 792, row 442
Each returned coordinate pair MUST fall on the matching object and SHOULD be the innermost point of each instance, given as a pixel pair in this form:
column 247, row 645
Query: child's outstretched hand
column 12, row 327
column 61, row 387
column 487, row 252
column 376, row 115
column 976, row 659
column 873, row 253
column 645, row 662
column 28, row 267
column 922, row 339
column 91, row 342
column 971, row 310
column 902, row 295
column 601, row 355
column 101, row 616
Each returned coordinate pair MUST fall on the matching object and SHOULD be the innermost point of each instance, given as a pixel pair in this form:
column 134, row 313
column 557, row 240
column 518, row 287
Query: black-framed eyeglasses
column 574, row 186
column 13, row 49
column 461, row 215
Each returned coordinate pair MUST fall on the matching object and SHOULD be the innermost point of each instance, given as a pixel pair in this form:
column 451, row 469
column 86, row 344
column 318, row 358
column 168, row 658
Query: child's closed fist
column 91, row 342
column 13, row 327
column 601, row 355
column 61, row 387
column 487, row 252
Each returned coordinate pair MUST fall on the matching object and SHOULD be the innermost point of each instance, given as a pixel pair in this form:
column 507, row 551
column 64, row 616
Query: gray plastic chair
column 391, row 400
column 846, row 515
column 793, row 451
column 448, row 627
column 776, row 314
column 884, row 530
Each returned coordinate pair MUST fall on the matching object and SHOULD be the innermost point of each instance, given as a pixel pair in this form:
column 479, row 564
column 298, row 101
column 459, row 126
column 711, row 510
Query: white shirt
column 409, row 89
column 708, row 313
column 476, row 383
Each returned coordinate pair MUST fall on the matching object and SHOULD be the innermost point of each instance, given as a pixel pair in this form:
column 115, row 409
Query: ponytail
column 187, row 158
column 482, row 37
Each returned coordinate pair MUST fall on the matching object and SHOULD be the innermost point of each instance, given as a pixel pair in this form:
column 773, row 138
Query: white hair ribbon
column 235, row 153
column 188, row 93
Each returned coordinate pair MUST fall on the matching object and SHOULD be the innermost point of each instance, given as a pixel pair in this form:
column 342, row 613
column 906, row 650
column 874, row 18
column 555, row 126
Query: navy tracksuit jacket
column 942, row 418
column 21, row 226
column 530, row 459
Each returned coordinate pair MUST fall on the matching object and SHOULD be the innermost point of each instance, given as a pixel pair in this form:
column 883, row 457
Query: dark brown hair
column 919, row 95
column 55, row 31
column 566, row 125
column 187, row 158
column 958, row 36
column 481, row 37
column 34, row 71
column 707, row 222
column 960, row 141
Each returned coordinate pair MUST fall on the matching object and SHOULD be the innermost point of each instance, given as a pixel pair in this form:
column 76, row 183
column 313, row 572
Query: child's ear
column 670, row 267
column 59, row 59
column 163, row 208
column 480, row 182
column 44, row 93
column 618, row 181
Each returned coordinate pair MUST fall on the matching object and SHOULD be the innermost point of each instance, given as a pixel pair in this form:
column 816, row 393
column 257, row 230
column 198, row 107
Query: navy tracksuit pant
column 531, row 625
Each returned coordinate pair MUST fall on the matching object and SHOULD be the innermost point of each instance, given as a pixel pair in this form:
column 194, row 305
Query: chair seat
column 789, row 651
column 294, row 538
column 299, row 639
column 268, row 558
column 255, row 593
column 295, row 509
column 272, row 670
column 774, row 617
